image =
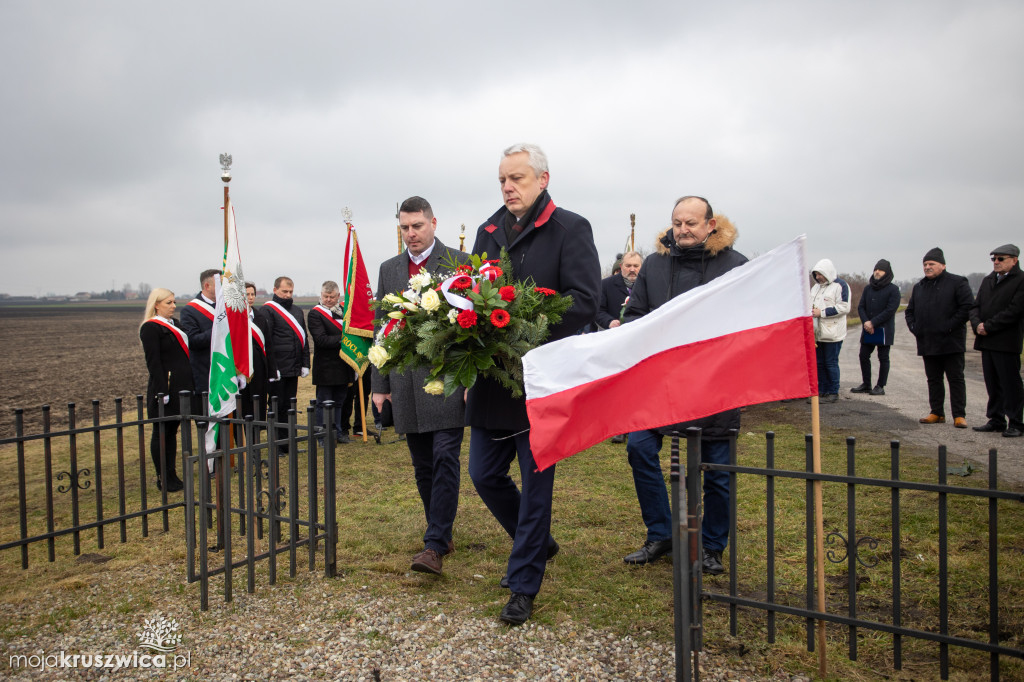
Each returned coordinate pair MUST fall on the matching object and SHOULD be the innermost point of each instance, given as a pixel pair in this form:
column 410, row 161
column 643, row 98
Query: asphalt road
column 895, row 415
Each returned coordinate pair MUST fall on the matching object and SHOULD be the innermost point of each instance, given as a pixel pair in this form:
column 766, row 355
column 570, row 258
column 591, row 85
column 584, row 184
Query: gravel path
column 316, row 628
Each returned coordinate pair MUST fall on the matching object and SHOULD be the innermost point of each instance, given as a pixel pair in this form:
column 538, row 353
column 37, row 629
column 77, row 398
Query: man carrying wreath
column 433, row 425
column 555, row 248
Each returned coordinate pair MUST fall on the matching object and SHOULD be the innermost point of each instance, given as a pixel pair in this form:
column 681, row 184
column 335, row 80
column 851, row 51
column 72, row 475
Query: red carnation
column 499, row 318
column 545, row 291
column 461, row 282
column 466, row 319
column 464, row 268
column 508, row 294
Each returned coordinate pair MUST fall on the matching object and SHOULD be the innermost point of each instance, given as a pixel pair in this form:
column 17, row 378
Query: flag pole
column 819, row 521
column 398, row 228
column 632, row 231
column 462, row 238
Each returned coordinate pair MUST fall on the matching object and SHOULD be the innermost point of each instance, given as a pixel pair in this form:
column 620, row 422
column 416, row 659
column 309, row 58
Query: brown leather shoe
column 934, row 419
column 427, row 561
column 960, row 423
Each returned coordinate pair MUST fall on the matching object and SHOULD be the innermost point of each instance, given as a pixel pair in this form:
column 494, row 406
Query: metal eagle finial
column 225, row 164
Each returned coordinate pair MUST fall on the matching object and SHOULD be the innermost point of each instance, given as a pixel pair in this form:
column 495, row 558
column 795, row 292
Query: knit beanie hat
column 884, row 265
column 935, row 255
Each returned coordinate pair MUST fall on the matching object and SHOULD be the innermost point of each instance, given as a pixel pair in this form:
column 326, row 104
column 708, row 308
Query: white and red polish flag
column 741, row 339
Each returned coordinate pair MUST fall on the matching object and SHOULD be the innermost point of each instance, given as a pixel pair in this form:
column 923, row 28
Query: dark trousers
column 435, row 463
column 170, row 441
column 827, row 354
column 284, row 389
column 642, row 449
column 883, row 363
column 1005, row 390
column 950, row 366
column 337, row 394
column 526, row 517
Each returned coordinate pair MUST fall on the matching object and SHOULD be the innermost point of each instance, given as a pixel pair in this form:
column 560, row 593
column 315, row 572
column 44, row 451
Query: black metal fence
column 278, row 511
column 855, row 554
column 87, row 478
column 81, row 486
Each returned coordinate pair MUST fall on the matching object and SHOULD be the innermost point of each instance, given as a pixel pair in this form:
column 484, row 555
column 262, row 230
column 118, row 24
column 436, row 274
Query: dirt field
column 60, row 354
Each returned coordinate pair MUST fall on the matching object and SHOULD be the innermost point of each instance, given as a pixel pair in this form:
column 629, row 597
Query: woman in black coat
column 877, row 311
column 165, row 346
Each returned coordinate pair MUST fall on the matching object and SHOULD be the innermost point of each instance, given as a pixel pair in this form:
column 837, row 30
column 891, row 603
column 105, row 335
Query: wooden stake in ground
column 819, row 531
column 362, row 407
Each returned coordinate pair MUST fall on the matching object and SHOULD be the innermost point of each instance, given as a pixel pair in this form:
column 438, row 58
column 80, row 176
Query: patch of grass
column 597, row 521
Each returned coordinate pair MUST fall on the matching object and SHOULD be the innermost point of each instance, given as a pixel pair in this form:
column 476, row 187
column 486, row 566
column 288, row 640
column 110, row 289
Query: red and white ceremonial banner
column 742, row 339
column 236, row 306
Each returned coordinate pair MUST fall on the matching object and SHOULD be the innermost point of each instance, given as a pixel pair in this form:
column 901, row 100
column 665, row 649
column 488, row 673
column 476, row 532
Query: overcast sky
column 879, row 129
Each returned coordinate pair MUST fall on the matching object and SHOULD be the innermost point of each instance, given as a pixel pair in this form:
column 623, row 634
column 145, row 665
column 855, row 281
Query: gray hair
column 631, row 253
column 329, row 287
column 538, row 160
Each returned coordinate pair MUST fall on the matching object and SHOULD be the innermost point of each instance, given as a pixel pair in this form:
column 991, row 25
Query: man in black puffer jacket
column 997, row 318
column 694, row 251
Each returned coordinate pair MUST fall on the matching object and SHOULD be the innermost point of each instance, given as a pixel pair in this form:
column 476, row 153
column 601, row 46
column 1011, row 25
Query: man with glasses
column 937, row 316
column 997, row 317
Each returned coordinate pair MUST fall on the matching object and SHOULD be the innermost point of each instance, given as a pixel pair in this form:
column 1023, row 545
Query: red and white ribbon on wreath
column 491, row 272
column 455, row 300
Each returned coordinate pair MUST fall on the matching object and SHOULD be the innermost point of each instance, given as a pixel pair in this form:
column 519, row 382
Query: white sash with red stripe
column 203, row 307
column 179, row 333
column 287, row 316
column 327, row 314
column 257, row 336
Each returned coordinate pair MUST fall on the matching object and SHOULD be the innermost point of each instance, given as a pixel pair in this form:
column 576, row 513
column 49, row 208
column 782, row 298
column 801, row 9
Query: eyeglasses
column 1000, row 258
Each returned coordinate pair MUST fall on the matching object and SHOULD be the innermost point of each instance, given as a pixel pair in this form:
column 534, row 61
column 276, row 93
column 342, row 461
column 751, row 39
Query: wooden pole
column 819, row 540
column 632, row 231
column 362, row 407
column 398, row 232
column 462, row 238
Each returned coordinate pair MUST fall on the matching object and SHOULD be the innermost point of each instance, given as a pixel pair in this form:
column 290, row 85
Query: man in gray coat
column 433, row 425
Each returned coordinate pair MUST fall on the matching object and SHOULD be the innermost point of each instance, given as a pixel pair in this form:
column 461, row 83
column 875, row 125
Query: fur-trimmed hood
column 725, row 235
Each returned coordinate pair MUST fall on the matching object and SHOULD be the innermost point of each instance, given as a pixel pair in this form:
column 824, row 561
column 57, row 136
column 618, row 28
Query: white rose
column 435, row 387
column 378, row 355
column 430, row 300
column 452, row 314
column 419, row 280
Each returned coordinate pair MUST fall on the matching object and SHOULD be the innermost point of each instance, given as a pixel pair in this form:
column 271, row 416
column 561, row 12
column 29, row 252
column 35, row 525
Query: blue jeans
column 828, row 366
column 642, row 449
column 435, row 462
column 525, row 517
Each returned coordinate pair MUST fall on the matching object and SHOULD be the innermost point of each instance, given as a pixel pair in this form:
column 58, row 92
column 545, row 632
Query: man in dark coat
column 877, row 311
column 615, row 290
column 434, row 425
column 695, row 250
column 997, row 317
column 253, row 398
column 332, row 376
column 937, row 316
column 197, row 321
column 555, row 248
column 290, row 349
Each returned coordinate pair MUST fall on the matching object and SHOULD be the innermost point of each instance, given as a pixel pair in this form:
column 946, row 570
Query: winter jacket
column 672, row 271
column 328, row 367
column 878, row 305
column 556, row 250
column 1001, row 307
column 833, row 299
column 290, row 353
column 613, row 294
column 937, row 314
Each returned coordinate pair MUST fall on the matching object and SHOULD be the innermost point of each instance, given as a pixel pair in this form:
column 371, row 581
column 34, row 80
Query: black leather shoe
column 651, row 551
column 621, row 438
column 518, row 609
column 552, row 551
column 343, row 438
column 877, row 390
column 863, row 388
column 712, row 562
column 989, row 427
column 1012, row 432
